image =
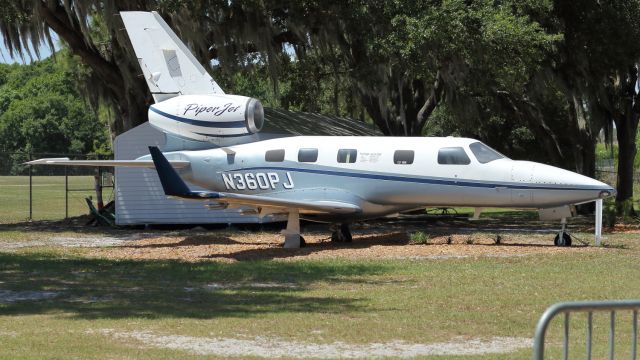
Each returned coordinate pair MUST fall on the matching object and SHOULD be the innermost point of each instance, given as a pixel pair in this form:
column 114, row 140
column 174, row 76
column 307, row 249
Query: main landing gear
column 341, row 233
column 292, row 237
column 562, row 238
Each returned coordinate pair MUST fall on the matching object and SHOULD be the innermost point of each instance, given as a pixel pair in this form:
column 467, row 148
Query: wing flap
column 325, row 206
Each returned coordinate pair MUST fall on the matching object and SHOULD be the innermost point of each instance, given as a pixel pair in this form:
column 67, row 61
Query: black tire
column 564, row 242
column 346, row 233
column 335, row 237
column 303, row 243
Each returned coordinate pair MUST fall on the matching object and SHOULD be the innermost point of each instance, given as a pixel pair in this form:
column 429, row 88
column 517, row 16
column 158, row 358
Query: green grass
column 419, row 237
column 48, row 197
column 355, row 301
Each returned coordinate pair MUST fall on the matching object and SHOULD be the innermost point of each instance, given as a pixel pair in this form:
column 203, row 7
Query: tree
column 598, row 67
column 41, row 112
column 539, row 77
column 400, row 58
column 90, row 31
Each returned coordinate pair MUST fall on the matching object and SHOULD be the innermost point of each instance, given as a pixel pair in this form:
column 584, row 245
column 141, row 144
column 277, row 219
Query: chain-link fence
column 48, row 192
column 607, row 173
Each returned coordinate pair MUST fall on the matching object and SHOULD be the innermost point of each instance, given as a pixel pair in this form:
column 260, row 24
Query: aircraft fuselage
column 385, row 175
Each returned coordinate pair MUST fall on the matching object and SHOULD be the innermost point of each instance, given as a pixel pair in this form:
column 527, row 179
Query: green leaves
column 41, row 111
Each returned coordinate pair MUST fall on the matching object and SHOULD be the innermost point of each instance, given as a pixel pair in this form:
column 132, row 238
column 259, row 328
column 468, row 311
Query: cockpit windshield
column 483, row 153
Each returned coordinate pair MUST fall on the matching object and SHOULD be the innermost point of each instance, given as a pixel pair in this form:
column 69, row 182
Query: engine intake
column 200, row 117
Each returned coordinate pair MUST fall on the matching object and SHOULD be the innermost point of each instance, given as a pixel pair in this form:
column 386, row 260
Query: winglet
column 172, row 184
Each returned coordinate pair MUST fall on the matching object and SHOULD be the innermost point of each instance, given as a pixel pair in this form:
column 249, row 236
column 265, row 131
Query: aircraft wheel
column 346, row 233
column 303, row 243
column 341, row 234
column 564, row 241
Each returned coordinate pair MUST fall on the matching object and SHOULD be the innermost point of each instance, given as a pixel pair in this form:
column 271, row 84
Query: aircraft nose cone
column 545, row 174
column 609, row 192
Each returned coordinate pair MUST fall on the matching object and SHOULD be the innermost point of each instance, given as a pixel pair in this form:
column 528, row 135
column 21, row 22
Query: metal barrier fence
column 47, row 192
column 589, row 307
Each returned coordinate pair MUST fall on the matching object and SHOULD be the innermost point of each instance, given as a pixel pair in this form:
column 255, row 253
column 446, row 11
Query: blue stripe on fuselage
column 209, row 124
column 421, row 180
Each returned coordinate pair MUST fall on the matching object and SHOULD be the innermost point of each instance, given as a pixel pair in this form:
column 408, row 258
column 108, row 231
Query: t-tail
column 167, row 64
column 188, row 102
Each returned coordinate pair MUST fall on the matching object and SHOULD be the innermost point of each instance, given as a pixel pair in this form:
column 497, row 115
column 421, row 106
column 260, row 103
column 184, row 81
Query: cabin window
column 453, row 156
column 404, row 157
column 347, row 155
column 308, row 155
column 483, row 153
column 274, row 155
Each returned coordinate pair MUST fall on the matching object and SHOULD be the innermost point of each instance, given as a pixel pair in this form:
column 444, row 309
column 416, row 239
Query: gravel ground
column 451, row 237
column 268, row 245
column 277, row 348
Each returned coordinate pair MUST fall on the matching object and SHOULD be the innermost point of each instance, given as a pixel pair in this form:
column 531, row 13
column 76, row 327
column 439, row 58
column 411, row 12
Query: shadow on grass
column 194, row 240
column 79, row 225
column 99, row 288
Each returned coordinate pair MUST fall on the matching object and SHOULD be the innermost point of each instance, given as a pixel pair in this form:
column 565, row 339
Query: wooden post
column 98, row 186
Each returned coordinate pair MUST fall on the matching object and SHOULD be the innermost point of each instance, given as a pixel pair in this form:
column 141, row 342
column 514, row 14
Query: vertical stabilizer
column 167, row 64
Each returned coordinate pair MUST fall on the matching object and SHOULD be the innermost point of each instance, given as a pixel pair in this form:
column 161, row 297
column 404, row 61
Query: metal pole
column 589, row 331
column 565, row 350
column 612, row 335
column 66, row 193
column 598, row 229
column 30, row 191
column 634, row 333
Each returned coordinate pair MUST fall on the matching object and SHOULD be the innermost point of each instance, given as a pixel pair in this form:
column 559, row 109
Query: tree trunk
column 411, row 110
column 584, row 151
column 437, row 91
column 626, row 131
column 528, row 112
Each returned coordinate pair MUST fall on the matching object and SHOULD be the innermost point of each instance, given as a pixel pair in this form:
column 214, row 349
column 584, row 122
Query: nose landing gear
column 563, row 238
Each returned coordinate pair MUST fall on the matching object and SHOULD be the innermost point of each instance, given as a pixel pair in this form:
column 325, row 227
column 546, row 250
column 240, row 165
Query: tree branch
column 430, row 104
column 277, row 40
column 57, row 20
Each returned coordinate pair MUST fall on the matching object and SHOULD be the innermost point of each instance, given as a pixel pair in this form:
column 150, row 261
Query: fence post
column 30, row 190
column 598, row 227
column 66, row 193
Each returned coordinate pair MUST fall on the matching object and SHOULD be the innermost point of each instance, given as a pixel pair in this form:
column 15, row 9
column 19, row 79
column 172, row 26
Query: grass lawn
column 355, row 301
column 48, row 197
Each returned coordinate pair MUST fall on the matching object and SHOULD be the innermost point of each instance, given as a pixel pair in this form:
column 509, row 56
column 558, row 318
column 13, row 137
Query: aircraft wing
column 174, row 186
column 119, row 163
column 323, row 206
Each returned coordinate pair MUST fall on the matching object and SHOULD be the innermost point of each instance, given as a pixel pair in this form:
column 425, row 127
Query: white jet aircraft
column 334, row 179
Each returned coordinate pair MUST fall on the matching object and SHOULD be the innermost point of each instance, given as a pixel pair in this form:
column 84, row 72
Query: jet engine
column 200, row 117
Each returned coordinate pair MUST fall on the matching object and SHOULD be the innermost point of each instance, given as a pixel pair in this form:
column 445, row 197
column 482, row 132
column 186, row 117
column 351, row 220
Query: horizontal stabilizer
column 118, row 163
